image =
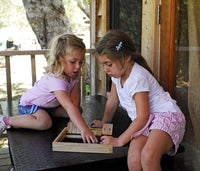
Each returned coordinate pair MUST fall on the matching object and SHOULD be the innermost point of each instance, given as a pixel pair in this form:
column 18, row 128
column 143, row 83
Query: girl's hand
column 97, row 124
column 88, row 136
column 110, row 140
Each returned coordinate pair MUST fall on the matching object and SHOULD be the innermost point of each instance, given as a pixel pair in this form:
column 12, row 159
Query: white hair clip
column 119, row 46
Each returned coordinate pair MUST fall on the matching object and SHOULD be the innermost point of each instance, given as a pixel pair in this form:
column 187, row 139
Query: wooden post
column 151, row 34
column 9, row 85
column 105, row 27
column 33, row 69
column 92, row 45
column 158, row 39
column 167, row 45
column 172, row 46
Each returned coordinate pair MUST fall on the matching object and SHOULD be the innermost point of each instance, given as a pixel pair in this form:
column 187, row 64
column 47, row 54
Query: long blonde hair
column 61, row 46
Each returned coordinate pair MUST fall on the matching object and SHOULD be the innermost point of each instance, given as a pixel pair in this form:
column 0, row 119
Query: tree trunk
column 47, row 19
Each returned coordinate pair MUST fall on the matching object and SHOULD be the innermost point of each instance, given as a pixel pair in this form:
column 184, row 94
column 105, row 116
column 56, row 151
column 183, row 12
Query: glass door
column 187, row 89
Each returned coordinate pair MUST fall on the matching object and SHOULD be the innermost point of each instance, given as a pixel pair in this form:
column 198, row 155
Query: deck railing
column 33, row 54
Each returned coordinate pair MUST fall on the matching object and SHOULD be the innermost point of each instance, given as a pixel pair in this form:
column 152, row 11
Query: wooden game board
column 70, row 140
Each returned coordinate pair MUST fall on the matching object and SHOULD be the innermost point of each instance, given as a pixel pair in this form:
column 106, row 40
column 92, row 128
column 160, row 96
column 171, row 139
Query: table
column 32, row 149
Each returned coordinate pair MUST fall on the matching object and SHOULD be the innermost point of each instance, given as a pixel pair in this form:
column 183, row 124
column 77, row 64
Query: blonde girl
column 57, row 92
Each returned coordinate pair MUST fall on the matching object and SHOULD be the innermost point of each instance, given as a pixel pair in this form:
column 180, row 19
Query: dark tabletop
column 32, row 150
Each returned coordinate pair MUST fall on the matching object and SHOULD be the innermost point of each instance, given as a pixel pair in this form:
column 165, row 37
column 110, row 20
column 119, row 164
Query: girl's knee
column 149, row 159
column 134, row 162
column 146, row 157
column 45, row 124
column 43, row 120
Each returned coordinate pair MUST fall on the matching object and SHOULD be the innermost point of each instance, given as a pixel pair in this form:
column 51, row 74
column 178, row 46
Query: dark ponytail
column 141, row 61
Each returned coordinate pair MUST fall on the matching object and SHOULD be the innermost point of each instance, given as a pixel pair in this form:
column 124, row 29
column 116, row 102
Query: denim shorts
column 30, row 109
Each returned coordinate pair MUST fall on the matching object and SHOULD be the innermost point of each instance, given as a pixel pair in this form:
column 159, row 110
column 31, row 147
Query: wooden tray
column 70, row 140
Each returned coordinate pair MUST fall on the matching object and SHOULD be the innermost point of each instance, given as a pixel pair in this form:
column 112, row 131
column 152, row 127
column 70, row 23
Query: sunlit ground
column 3, row 142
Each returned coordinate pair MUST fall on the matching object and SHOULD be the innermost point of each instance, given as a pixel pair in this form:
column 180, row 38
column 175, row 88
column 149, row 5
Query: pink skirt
column 169, row 122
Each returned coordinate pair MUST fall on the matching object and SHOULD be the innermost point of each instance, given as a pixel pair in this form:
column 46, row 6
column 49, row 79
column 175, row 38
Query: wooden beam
column 33, row 69
column 167, row 47
column 9, row 85
column 105, row 27
column 33, row 52
column 151, row 35
column 99, row 26
column 172, row 47
column 158, row 40
column 164, row 43
column 92, row 45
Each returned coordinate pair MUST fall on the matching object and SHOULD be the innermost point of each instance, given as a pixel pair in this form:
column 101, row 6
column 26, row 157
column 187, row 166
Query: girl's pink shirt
column 42, row 94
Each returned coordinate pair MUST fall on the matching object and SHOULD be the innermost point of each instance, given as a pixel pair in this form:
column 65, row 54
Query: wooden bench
column 32, row 150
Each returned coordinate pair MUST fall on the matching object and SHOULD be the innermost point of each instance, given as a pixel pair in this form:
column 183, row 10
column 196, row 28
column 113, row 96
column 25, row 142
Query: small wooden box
column 71, row 132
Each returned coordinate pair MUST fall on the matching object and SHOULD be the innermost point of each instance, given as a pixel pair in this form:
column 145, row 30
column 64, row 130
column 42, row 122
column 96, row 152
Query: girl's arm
column 142, row 106
column 110, row 108
column 75, row 115
column 75, row 96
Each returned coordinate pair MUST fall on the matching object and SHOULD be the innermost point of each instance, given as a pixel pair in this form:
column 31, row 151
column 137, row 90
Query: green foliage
column 130, row 17
column 17, row 91
column 1, row 63
column 185, row 2
column 87, row 90
column 12, row 13
column 87, row 1
column 3, row 142
column 75, row 16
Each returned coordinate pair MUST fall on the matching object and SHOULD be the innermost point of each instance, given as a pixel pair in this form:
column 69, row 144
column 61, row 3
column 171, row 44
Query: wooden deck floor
column 5, row 163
